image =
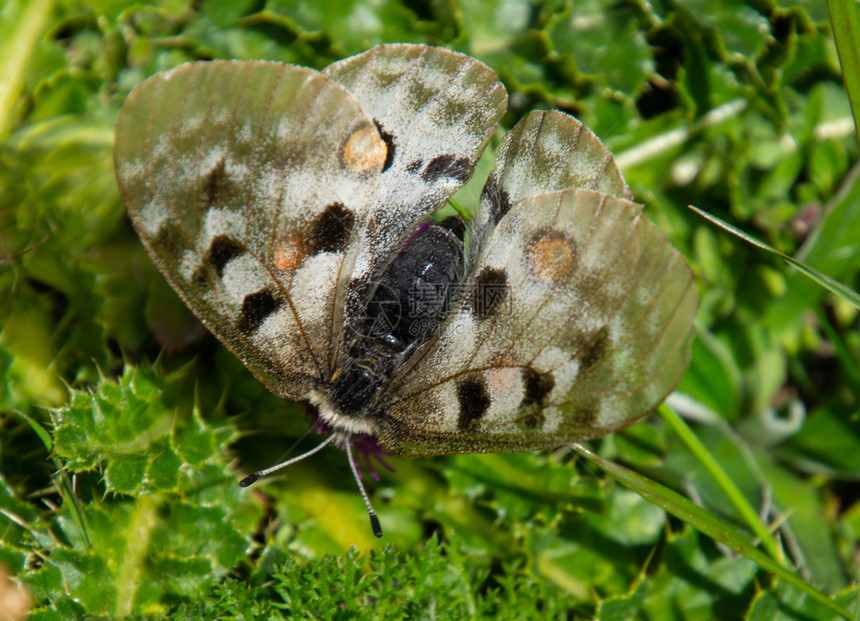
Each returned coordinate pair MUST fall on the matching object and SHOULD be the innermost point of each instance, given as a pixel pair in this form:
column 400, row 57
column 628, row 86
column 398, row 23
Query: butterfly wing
column 544, row 152
column 248, row 183
column 436, row 110
column 578, row 321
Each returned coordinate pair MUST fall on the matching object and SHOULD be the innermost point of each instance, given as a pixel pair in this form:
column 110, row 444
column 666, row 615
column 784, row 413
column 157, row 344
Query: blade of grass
column 822, row 279
column 722, row 479
column 15, row 55
column 841, row 350
column 845, row 21
column 43, row 434
column 61, row 481
column 704, row 522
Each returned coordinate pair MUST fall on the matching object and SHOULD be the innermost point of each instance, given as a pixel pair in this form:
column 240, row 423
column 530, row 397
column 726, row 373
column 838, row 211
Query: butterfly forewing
column 248, row 183
column 578, row 321
column 436, row 110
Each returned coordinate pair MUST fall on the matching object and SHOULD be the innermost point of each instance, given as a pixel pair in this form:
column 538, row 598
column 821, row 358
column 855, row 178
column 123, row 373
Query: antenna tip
column 250, row 479
column 374, row 524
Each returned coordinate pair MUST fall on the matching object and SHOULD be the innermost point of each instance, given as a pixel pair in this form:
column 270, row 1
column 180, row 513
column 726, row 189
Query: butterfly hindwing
column 549, row 151
column 248, row 183
column 577, row 321
column 544, row 152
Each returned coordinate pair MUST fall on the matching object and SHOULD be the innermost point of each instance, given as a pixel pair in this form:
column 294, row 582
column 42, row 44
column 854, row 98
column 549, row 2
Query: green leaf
column 186, row 528
column 688, row 562
column 579, row 38
column 782, row 601
column 703, row 521
column 627, row 606
column 845, row 20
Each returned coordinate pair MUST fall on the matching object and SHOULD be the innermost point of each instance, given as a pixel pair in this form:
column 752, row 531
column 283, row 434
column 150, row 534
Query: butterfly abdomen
column 407, row 305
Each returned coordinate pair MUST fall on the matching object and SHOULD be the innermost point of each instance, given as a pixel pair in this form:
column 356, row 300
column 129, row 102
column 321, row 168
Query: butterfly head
column 340, row 422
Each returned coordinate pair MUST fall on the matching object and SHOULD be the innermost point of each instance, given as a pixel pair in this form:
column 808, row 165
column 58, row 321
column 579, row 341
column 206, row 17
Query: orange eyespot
column 365, row 151
column 503, row 375
column 552, row 256
column 290, row 254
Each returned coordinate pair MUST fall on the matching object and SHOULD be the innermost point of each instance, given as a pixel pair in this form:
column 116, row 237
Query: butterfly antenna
column 374, row 521
column 248, row 480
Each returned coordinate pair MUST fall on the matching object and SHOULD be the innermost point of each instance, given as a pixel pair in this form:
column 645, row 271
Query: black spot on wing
column 256, row 307
column 585, row 415
column 169, row 238
column 595, row 350
column 534, row 420
column 447, row 165
column 490, row 291
column 499, row 199
column 537, row 387
column 437, row 167
column 331, row 229
column 474, row 402
column 419, row 94
column 385, row 79
column 218, row 188
column 456, row 109
column 414, row 166
column 390, row 145
column 461, row 170
column 221, row 251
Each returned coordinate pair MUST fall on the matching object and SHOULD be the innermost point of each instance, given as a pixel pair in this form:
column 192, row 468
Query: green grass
column 125, row 427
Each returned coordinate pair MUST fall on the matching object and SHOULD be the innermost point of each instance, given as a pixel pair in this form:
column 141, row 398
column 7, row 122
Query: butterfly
column 295, row 213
